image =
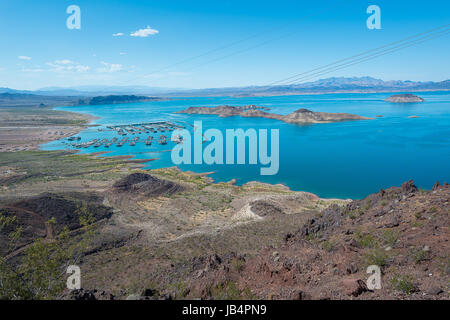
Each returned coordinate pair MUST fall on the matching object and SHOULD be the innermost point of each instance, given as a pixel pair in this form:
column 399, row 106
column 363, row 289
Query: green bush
column 365, row 240
column 403, row 283
column 40, row 273
column 328, row 245
column 418, row 255
column 237, row 264
column 377, row 257
column 390, row 237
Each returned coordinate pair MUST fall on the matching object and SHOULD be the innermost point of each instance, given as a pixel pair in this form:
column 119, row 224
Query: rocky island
column 404, row 98
column 300, row 116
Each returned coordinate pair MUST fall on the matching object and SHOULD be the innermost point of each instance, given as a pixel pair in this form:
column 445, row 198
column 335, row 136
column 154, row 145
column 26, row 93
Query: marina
column 134, row 129
column 147, row 127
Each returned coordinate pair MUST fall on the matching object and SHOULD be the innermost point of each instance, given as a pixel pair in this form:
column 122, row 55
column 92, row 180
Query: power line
column 370, row 57
column 241, row 51
column 357, row 55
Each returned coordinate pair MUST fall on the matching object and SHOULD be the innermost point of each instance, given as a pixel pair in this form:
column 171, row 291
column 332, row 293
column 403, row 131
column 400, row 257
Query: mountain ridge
column 364, row 84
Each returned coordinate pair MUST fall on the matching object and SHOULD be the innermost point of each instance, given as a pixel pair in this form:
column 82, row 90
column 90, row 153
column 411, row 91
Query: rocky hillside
column 403, row 230
column 34, row 213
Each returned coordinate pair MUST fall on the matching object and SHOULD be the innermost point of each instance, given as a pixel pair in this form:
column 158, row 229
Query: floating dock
column 134, row 129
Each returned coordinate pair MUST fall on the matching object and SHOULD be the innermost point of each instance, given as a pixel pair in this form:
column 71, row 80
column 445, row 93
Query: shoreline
column 29, row 135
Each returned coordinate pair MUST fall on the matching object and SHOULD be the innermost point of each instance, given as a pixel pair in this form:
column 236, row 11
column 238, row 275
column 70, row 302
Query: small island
column 300, row 116
column 404, row 98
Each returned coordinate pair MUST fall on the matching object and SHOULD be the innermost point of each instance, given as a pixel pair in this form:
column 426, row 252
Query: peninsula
column 300, row 116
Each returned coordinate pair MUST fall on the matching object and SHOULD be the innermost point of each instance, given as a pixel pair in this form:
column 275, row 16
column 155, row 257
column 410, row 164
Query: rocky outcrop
column 300, row 116
column 146, row 185
column 404, row 98
column 222, row 111
column 354, row 287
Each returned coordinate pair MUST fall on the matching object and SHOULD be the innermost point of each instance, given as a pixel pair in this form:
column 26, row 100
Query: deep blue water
column 343, row 160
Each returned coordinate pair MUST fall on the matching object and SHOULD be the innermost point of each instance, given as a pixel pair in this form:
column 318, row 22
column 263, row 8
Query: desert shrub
column 365, row 240
column 226, row 291
column 390, row 237
column 41, row 270
column 328, row 245
column 418, row 255
column 237, row 264
column 403, row 283
column 179, row 289
column 377, row 257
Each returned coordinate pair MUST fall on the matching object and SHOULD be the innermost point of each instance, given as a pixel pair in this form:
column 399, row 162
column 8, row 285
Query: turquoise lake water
column 336, row 160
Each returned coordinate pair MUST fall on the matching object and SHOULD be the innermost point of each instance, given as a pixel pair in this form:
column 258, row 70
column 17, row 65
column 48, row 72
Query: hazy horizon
column 98, row 87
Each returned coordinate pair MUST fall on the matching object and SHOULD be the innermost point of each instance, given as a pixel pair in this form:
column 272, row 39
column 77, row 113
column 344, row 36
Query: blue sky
column 284, row 38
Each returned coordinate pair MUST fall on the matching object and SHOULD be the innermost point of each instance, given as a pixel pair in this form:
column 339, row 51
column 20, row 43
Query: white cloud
column 144, row 32
column 64, row 61
column 66, row 65
column 110, row 67
column 32, row 70
column 118, row 34
column 122, row 53
column 24, row 58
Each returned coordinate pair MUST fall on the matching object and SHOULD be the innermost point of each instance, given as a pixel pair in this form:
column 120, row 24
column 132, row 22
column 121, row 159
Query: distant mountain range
column 328, row 85
column 93, row 90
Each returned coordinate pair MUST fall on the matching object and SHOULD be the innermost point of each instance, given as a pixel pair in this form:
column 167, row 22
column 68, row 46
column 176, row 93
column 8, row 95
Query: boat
column 149, row 141
column 122, row 142
column 177, row 139
column 162, row 139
